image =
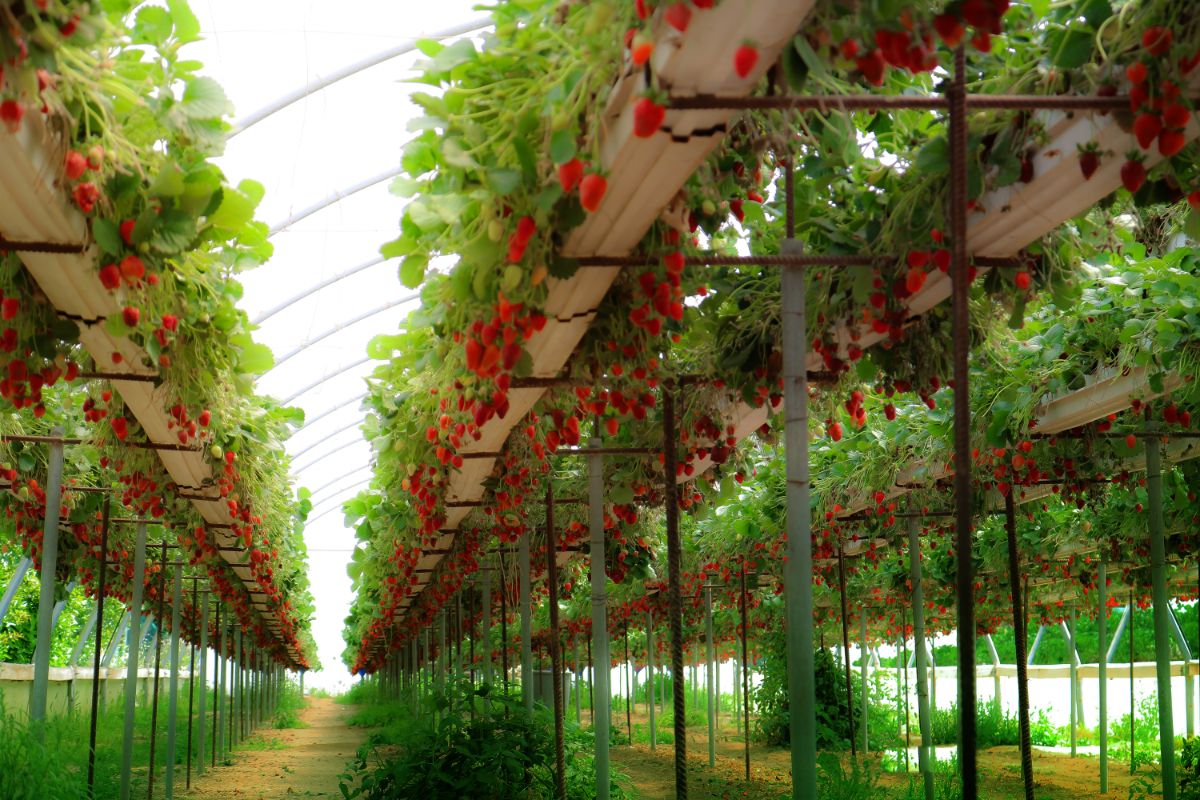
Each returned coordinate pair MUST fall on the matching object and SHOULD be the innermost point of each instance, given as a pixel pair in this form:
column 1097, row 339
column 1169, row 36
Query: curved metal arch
column 317, row 84
column 324, row 284
column 341, row 326
column 332, row 409
column 335, row 506
column 298, row 469
column 328, row 436
column 324, row 378
column 314, row 492
column 336, row 197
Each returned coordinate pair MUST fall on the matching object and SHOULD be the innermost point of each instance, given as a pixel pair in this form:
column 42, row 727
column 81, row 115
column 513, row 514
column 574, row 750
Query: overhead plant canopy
column 573, row 203
column 123, row 243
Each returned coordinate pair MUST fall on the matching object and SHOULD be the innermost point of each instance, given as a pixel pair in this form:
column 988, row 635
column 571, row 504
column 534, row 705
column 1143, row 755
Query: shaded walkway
column 296, row 762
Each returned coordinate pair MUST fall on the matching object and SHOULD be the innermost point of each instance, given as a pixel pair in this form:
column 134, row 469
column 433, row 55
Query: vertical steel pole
column 846, row 649
column 503, row 624
column 162, row 601
column 526, row 624
column 628, row 688
column 200, row 719
column 560, row 763
column 578, row 686
column 101, row 590
column 1189, row 700
column 918, row 608
column 960, row 316
column 651, row 691
column 131, row 666
column 709, row 678
column 488, row 674
column 45, row 620
column 601, row 705
column 674, row 597
column 1019, row 631
column 218, row 742
column 745, row 673
column 1102, row 657
column 1132, row 691
column 995, row 674
column 1162, row 617
column 173, row 697
column 862, row 628
column 1074, row 675
column 798, row 568
column 14, row 584
column 902, row 687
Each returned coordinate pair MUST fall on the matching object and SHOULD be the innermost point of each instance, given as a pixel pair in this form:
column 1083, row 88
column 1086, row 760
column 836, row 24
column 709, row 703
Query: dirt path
column 279, row 764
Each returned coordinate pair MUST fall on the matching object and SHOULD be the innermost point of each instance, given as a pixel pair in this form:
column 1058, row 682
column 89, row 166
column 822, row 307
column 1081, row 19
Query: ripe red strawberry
column 10, row 307
column 120, row 427
column 1089, row 162
column 647, row 117
column 1157, row 40
column 848, row 49
column 131, row 316
column 1133, row 175
column 170, row 322
column 74, row 165
column 872, row 66
column 835, row 431
column 205, row 418
column 1131, row 441
column 1194, row 200
column 85, row 196
column 110, row 276
column 744, row 59
column 914, row 280
column 612, row 425
column 10, row 114
column 1022, row 280
column 1176, row 116
column 569, row 174
column 950, row 28
column 1136, row 73
column 889, row 411
column 132, row 269
column 678, row 15
column 982, row 41
column 1171, row 142
column 641, row 48
column 591, row 191
column 127, row 232
column 1146, row 128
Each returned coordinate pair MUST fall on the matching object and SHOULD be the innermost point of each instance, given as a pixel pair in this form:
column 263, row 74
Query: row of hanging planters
column 128, row 127
column 866, row 184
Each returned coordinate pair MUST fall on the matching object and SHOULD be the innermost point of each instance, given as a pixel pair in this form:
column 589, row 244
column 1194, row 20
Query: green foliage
column 469, row 743
column 287, row 711
column 834, row 782
column 1189, row 769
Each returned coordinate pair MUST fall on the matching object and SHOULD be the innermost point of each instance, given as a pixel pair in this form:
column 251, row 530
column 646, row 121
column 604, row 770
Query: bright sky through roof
column 258, row 51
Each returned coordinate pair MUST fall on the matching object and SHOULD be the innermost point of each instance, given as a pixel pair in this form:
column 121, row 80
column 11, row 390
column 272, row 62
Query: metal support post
column 14, row 584
column 960, row 282
column 651, row 691
column 526, row 624
column 45, row 620
column 709, row 678
column 995, row 674
column 1189, row 699
column 488, row 675
column 1073, row 661
column 173, row 697
column 919, row 648
column 798, row 567
column 846, row 650
column 1102, row 638
column 162, row 602
column 1019, row 630
column 674, row 596
column 131, row 668
column 745, row 633
column 101, row 590
column 1162, row 618
column 601, row 707
column 862, row 630
column 560, row 763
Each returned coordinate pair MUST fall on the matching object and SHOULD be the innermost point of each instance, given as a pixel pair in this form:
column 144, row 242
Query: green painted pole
column 601, row 706
column 798, row 567
column 526, row 624
column 173, row 696
column 45, row 619
column 578, row 685
column 919, row 647
column 1102, row 667
column 1074, row 673
column 650, row 690
column 1162, row 617
column 488, row 675
column 862, row 630
column 710, row 679
column 202, row 719
column 131, row 666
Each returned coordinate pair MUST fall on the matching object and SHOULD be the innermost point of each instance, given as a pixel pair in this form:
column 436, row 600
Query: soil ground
column 651, row 773
column 286, row 764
